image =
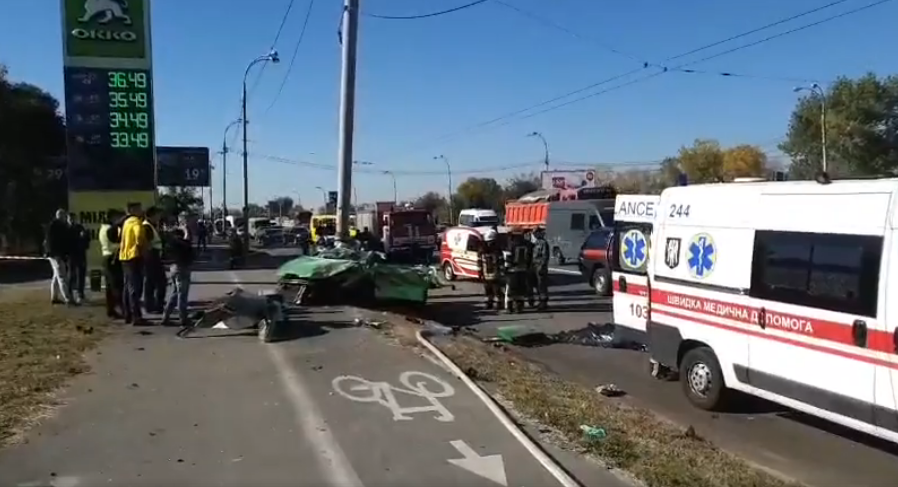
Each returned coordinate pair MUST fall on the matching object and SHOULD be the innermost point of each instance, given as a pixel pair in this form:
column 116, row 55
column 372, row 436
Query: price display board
column 110, row 129
column 183, row 166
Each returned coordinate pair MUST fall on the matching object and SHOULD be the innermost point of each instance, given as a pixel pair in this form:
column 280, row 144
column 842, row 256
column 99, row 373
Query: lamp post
column 224, row 169
column 545, row 146
column 395, row 191
column 273, row 58
column 323, row 195
column 443, row 158
column 817, row 90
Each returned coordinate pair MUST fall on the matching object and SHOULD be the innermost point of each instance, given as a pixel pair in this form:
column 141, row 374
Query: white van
column 634, row 217
column 474, row 217
column 780, row 290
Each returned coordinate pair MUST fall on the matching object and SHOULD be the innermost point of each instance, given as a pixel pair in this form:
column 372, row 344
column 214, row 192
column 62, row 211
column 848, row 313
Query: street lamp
column 817, row 90
column 443, row 158
column 323, row 195
column 545, row 146
column 395, row 192
column 224, row 169
column 272, row 57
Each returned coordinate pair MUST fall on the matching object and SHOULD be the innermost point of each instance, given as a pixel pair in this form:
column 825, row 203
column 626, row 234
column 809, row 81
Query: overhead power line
column 277, row 37
column 302, row 34
column 427, row 15
column 549, row 23
column 663, row 70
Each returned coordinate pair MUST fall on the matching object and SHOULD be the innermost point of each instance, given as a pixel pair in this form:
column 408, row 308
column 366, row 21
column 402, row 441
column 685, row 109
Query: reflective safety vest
column 353, row 232
column 107, row 248
column 132, row 233
column 156, row 243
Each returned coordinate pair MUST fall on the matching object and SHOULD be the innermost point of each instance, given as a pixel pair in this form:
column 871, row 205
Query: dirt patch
column 41, row 347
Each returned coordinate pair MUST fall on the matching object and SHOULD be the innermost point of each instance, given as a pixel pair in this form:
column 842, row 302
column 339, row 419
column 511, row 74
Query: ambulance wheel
column 702, row 379
column 601, row 281
column 448, row 273
column 559, row 257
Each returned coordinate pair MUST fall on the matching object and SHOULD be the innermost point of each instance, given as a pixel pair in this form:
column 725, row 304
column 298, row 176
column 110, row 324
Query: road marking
column 58, row 481
column 383, row 393
column 331, row 458
column 568, row 272
column 487, row 466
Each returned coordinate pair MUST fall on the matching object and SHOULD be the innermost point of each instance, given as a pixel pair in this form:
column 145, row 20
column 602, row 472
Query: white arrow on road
column 490, row 466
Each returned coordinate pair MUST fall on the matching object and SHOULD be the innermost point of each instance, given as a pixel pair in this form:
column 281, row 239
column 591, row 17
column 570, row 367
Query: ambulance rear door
column 634, row 217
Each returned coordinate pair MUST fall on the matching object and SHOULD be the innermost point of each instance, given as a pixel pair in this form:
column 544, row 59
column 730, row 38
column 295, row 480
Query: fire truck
column 407, row 233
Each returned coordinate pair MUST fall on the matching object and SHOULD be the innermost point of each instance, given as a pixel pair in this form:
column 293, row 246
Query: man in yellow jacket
column 132, row 252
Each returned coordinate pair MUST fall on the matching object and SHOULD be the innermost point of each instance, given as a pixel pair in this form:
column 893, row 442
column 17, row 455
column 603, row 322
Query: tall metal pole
column 545, row 147
column 347, row 114
column 395, row 191
column 224, row 169
column 449, row 174
column 245, row 168
column 822, row 122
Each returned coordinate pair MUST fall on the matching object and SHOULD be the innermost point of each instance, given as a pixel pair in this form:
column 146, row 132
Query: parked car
column 593, row 260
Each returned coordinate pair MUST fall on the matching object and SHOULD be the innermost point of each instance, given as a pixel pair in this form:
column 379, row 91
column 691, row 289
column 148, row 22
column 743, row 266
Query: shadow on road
column 24, row 271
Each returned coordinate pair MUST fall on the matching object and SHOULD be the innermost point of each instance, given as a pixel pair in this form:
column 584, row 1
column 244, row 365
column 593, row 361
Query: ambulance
column 634, row 217
column 781, row 290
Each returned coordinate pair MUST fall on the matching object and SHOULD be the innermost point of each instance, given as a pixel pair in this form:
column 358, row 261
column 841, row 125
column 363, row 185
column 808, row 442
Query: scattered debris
column 592, row 335
column 593, row 433
column 610, row 390
column 239, row 310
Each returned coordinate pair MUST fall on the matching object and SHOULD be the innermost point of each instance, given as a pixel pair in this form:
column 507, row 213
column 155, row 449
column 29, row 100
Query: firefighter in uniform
column 540, row 270
column 491, row 271
column 518, row 262
column 154, row 287
column 110, row 235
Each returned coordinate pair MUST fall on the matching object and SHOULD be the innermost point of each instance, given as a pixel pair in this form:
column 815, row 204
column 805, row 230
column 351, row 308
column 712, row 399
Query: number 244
column 679, row 211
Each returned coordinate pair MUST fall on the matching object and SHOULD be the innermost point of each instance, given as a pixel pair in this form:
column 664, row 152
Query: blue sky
column 421, row 80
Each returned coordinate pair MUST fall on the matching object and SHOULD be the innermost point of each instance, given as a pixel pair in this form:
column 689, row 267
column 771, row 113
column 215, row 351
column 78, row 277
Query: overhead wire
column 302, row 34
column 644, row 66
column 427, row 15
column 277, row 37
column 549, row 23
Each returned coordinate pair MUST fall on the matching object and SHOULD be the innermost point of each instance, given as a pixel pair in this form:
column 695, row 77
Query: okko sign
column 109, row 95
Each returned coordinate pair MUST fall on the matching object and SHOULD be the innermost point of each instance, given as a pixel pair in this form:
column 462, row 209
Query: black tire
column 708, row 393
column 448, row 272
column 601, row 281
column 559, row 257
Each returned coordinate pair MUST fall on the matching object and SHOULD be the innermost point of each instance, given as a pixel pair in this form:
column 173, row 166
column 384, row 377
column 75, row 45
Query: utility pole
column 347, row 114
column 224, row 179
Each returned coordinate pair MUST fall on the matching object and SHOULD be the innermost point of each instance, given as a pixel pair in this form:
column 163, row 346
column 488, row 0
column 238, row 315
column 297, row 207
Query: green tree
column 520, row 185
column 32, row 139
column 703, row 161
column 480, row 193
column 669, row 172
column 744, row 161
column 861, row 129
column 175, row 201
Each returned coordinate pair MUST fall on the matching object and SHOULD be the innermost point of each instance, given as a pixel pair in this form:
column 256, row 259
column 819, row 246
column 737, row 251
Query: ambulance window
column 472, row 245
column 826, row 271
column 464, row 220
column 578, row 221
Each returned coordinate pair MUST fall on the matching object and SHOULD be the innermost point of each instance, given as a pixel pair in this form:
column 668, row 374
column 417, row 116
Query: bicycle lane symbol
column 359, row 389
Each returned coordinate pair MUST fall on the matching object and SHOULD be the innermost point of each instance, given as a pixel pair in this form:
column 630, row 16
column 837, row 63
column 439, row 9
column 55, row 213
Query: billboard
column 182, row 166
column 91, row 208
column 106, row 28
column 567, row 180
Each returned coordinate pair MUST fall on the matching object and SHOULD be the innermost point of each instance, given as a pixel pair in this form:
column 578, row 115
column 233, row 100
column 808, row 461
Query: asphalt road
column 809, row 450
column 335, row 405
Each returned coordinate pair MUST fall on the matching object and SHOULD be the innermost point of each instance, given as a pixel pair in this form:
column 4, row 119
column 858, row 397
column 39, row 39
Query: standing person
column 202, row 234
column 518, row 263
column 58, row 249
column 540, row 269
column 154, row 269
column 80, row 243
column 110, row 240
column 181, row 252
column 490, row 271
column 131, row 254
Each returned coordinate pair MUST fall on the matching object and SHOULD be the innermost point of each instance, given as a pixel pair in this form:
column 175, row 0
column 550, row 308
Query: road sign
column 110, row 129
column 183, row 166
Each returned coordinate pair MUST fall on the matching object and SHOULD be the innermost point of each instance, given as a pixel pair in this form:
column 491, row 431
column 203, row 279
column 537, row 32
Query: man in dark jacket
column 154, row 271
column 58, row 248
column 80, row 242
column 180, row 251
column 540, row 268
column 518, row 264
column 110, row 238
column 490, row 270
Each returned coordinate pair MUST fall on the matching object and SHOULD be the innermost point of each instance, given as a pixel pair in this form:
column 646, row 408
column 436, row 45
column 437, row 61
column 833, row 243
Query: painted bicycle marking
column 362, row 390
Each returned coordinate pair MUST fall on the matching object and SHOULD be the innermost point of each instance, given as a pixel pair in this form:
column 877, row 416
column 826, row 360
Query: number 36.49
column 679, row 211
